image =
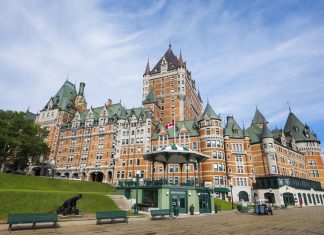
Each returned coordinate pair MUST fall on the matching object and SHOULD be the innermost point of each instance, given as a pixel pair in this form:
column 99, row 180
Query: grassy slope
column 225, row 206
column 27, row 194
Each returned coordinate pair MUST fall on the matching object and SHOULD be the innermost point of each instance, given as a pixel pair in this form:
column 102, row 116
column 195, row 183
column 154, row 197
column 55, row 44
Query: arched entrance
column 58, row 173
column 109, row 176
column 75, row 175
column 289, row 199
column 97, row 176
column 309, row 198
column 37, row 171
column 321, row 199
column 270, row 197
column 305, row 199
column 67, row 174
column 317, row 198
column 243, row 196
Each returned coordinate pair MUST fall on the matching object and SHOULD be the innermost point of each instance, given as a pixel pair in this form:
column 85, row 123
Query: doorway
column 179, row 199
column 289, row 199
column 204, row 203
column 97, row 176
column 270, row 197
column 243, row 196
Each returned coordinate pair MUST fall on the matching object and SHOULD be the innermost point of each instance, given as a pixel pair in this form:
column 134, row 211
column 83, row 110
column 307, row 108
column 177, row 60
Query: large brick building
column 107, row 143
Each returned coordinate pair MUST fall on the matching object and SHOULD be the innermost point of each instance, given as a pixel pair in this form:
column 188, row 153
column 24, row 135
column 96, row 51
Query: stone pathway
column 288, row 221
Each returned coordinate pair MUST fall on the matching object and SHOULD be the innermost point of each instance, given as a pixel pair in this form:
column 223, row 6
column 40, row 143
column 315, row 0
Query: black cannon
column 69, row 206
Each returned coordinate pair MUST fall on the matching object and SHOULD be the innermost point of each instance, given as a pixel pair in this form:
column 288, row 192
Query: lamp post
column 137, row 175
column 231, row 186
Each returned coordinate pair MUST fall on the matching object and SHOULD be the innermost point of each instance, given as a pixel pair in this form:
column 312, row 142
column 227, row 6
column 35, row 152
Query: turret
column 268, row 149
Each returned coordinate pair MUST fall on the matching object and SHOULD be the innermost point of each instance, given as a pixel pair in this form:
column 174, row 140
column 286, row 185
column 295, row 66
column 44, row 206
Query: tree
column 21, row 140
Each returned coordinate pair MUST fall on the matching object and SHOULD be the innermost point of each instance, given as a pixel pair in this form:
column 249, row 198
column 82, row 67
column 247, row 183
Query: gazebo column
column 194, row 169
column 164, row 172
column 187, row 169
column 153, row 170
column 198, row 162
column 181, row 166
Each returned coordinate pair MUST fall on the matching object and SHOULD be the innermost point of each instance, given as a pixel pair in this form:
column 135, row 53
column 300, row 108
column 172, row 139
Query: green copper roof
column 113, row 110
column 211, row 113
column 64, row 98
column 295, row 128
column 245, row 133
column 266, row 132
column 255, row 133
column 232, row 129
column 150, row 98
column 189, row 125
column 258, row 117
column 277, row 133
column 30, row 115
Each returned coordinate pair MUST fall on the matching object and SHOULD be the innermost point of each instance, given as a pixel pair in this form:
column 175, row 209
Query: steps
column 122, row 202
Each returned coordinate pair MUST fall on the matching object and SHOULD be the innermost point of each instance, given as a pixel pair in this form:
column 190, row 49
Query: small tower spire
column 180, row 61
column 147, row 69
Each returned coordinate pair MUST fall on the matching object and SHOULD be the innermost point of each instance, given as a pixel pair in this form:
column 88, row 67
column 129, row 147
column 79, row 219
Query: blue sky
column 241, row 53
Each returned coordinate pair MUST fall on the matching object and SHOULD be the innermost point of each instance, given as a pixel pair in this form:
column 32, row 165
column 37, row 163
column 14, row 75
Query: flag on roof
column 170, row 125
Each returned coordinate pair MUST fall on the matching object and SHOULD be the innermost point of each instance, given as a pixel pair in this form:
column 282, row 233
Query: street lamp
column 231, row 186
column 137, row 176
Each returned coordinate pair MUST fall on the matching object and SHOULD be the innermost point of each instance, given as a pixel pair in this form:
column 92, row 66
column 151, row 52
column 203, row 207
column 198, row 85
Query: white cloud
column 239, row 57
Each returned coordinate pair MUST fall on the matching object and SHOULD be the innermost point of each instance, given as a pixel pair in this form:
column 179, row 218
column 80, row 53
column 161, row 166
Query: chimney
column 81, row 89
column 109, row 103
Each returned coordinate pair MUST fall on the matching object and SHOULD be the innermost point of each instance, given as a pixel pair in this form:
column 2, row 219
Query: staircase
column 122, row 202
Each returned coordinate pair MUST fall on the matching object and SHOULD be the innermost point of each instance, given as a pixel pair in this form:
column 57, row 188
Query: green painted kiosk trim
column 221, row 190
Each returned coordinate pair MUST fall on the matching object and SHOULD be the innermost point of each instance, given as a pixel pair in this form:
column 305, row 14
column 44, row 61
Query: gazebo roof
column 175, row 154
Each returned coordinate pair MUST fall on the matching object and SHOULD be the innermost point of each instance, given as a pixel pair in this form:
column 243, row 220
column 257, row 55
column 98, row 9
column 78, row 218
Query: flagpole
column 174, row 126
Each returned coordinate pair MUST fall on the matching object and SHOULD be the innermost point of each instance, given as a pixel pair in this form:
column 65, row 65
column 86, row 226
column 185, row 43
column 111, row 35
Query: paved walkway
column 288, row 221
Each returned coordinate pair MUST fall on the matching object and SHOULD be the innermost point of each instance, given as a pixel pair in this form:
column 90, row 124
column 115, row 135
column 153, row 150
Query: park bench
column 112, row 215
column 244, row 209
column 161, row 212
column 31, row 218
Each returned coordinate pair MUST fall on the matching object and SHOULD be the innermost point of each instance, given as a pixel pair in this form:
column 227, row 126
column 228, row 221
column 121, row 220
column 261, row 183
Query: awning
column 221, row 190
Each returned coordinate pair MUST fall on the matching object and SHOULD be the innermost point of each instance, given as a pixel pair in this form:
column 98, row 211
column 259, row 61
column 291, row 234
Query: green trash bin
column 176, row 211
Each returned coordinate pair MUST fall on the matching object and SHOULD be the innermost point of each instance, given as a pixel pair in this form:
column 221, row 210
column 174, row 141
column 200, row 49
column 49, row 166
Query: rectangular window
column 240, row 169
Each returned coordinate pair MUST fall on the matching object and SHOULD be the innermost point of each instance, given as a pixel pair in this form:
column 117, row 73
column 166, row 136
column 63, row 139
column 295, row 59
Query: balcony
column 237, row 151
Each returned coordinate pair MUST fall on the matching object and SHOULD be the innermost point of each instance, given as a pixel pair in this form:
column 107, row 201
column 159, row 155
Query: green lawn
column 28, row 194
column 225, row 205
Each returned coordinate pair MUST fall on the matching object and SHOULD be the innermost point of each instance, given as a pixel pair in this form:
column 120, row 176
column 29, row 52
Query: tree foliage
column 21, row 140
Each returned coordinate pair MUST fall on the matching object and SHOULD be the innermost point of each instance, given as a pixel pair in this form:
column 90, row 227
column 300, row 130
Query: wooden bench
column 112, row 215
column 31, row 218
column 161, row 212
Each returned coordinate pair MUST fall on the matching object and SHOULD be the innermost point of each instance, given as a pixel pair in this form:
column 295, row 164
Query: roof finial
column 170, row 43
column 288, row 106
column 147, row 69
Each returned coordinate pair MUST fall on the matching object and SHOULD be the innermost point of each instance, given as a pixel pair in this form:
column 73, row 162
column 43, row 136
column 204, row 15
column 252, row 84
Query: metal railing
column 158, row 182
